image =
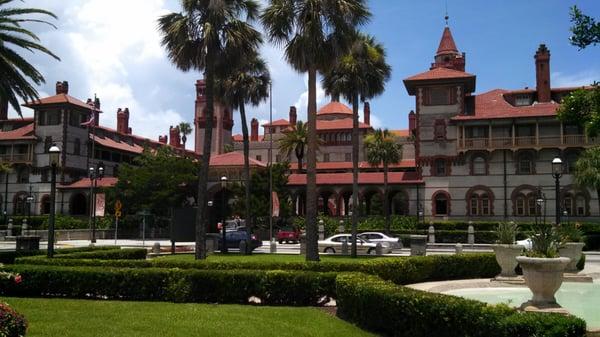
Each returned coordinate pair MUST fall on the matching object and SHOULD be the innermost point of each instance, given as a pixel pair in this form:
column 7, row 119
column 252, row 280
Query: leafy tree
column 294, row 140
column 582, row 107
column 259, row 200
column 314, row 33
column 156, row 181
column 204, row 37
column 587, row 169
column 381, row 148
column 16, row 72
column 246, row 82
column 585, row 29
column 362, row 72
column 185, row 128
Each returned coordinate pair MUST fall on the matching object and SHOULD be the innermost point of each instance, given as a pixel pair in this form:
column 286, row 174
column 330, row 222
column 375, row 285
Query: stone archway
column 78, row 204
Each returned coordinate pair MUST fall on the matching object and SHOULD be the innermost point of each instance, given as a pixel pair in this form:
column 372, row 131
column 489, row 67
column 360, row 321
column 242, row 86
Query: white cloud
column 302, row 101
column 375, row 122
column 575, row 80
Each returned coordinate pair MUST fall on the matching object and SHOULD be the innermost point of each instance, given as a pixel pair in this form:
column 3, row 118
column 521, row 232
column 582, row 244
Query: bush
column 207, row 286
column 12, row 324
column 391, row 310
column 114, row 254
column 400, row 270
column 10, row 256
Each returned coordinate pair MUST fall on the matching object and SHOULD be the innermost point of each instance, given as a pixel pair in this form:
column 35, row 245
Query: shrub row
column 11, row 322
column 112, row 254
column 400, row 270
column 391, row 310
column 274, row 287
column 10, row 256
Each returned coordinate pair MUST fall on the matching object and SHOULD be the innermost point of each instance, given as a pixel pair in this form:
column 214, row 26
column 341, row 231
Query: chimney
column 367, row 113
column 175, row 140
column 162, row 139
column 293, row 116
column 412, row 121
column 254, row 130
column 3, row 108
column 200, row 90
column 62, row 87
column 123, row 121
column 542, row 74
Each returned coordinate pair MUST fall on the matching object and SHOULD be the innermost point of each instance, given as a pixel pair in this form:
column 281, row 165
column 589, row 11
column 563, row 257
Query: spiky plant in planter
column 571, row 244
column 506, row 250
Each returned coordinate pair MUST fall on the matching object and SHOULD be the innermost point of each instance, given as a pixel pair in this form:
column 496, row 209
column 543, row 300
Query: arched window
column 525, row 164
column 480, row 201
column 479, row 166
column 520, row 209
column 45, row 205
column 20, row 203
column 580, row 205
column 567, row 201
column 441, row 203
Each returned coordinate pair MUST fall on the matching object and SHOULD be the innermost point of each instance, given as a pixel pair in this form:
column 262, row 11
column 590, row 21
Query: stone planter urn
column 506, row 256
column 572, row 250
column 544, row 277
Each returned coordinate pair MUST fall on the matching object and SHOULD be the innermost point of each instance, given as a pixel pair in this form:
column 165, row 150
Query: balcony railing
column 526, row 142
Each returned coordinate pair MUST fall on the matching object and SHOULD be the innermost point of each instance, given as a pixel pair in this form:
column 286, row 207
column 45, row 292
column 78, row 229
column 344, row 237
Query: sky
column 111, row 48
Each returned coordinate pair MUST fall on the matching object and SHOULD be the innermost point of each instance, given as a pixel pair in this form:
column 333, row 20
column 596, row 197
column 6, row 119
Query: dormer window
column 522, row 100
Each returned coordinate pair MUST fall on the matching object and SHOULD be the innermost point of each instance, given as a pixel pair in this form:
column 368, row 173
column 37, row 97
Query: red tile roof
column 339, row 124
column 334, row 108
column 492, row 105
column 144, row 139
column 22, row 133
column 447, row 44
column 279, row 122
column 58, row 99
column 86, row 183
column 233, row 159
column 439, row 73
column 123, row 146
column 347, row 165
column 401, row 133
column 240, row 138
column 365, row 178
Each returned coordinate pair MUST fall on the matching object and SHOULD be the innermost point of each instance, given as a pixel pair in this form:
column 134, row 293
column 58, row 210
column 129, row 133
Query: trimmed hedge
column 113, row 254
column 400, row 270
column 12, row 324
column 391, row 310
column 10, row 256
column 208, row 286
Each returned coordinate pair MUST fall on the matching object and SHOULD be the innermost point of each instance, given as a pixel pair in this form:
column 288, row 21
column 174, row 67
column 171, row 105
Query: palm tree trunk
column 201, row 215
column 386, row 206
column 354, row 173
column 246, row 169
column 312, row 250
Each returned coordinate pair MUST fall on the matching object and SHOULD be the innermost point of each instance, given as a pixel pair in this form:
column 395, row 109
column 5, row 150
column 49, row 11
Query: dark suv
column 233, row 239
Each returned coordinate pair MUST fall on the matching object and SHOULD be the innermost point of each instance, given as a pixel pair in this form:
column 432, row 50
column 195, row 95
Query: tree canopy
column 582, row 107
column 585, row 29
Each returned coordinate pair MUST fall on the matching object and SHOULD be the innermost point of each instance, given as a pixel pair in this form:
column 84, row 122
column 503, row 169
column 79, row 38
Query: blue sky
column 108, row 51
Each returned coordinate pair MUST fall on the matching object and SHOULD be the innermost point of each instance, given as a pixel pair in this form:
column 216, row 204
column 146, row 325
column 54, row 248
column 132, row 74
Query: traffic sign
column 118, row 214
column 118, row 205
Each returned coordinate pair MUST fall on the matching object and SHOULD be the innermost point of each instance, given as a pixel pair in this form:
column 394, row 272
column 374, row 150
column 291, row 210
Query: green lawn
column 81, row 318
column 235, row 257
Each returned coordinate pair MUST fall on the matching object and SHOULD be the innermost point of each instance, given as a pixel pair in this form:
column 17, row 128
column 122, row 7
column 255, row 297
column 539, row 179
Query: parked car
column 395, row 243
column 333, row 245
column 288, row 235
column 233, row 239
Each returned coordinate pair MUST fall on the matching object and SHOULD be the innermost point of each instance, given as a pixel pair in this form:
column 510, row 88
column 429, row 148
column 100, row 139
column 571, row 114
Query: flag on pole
column 100, row 204
column 275, row 204
column 91, row 121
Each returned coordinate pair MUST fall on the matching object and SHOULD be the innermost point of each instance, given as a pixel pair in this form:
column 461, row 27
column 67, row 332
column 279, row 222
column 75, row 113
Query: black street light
column 557, row 170
column 540, row 202
column 96, row 174
column 29, row 201
column 54, row 157
column 223, row 185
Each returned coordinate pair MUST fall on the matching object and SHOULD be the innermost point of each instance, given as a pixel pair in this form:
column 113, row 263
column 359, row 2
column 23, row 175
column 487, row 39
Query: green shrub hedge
column 391, row 310
column 10, row 256
column 12, row 324
column 112, row 254
column 207, row 286
column 400, row 270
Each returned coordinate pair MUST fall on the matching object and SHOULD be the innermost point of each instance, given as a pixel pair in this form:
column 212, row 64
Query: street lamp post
column 223, row 185
column 557, row 169
column 29, row 201
column 96, row 174
column 538, row 215
column 54, row 156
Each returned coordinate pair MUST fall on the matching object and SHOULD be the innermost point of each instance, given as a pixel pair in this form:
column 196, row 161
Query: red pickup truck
column 288, row 235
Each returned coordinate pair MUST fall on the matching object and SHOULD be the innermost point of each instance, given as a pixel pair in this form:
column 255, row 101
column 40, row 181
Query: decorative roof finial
column 446, row 17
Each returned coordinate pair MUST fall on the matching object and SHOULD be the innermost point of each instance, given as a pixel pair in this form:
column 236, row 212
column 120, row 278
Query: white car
column 526, row 243
column 394, row 243
column 333, row 245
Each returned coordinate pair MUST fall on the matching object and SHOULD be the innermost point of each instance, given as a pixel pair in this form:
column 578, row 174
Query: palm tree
column 314, row 33
column 16, row 72
column 202, row 37
column 360, row 73
column 587, row 169
column 246, row 82
column 381, row 147
column 294, row 140
column 185, row 128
